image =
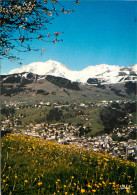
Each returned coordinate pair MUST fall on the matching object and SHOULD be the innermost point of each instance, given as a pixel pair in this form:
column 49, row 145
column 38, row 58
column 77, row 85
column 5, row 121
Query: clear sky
column 98, row 32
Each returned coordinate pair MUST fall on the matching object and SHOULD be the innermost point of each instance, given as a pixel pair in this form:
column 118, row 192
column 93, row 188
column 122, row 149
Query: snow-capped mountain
column 103, row 72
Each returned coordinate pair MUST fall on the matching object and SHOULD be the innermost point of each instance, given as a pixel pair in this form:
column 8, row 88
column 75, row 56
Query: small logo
column 125, row 187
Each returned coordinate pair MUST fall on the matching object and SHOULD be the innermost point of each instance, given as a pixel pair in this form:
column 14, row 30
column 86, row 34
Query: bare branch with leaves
column 23, row 21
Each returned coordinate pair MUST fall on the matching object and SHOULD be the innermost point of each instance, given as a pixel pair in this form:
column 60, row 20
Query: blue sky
column 98, row 32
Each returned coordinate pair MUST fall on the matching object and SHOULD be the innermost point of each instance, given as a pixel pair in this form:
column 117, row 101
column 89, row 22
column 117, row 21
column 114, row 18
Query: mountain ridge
column 31, row 87
column 103, row 72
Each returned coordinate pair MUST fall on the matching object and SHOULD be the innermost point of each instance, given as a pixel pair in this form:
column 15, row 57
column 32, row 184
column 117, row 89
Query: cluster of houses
column 125, row 131
column 64, row 133
column 18, row 105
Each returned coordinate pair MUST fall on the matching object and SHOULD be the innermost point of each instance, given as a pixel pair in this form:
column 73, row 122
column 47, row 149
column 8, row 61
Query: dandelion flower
column 93, row 190
column 82, row 190
column 127, row 191
column 89, row 186
column 39, row 183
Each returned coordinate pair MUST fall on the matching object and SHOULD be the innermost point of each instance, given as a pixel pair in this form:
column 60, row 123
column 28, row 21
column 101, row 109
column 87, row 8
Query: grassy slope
column 96, row 123
column 34, row 166
column 38, row 115
column 33, row 115
column 87, row 93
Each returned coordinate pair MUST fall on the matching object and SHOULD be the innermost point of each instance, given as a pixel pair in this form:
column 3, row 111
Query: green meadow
column 34, row 166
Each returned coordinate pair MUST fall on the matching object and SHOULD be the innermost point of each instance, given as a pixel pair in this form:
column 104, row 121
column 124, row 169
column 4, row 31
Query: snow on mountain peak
column 104, row 72
column 134, row 67
column 41, row 68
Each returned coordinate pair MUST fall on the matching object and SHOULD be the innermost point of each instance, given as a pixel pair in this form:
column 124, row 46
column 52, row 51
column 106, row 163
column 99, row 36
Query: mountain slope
column 103, row 72
column 31, row 87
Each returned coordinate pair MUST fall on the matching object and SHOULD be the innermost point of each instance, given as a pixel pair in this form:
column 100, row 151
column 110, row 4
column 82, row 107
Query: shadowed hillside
column 31, row 87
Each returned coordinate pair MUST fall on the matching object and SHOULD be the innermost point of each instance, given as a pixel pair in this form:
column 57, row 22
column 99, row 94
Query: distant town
column 68, row 133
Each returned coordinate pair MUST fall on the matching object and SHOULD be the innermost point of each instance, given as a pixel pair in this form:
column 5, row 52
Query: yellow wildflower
column 93, row 190
column 89, row 186
column 26, row 181
column 39, row 183
column 127, row 191
column 82, row 190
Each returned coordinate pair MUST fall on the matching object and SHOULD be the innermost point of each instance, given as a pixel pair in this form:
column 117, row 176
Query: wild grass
column 34, row 166
column 38, row 115
column 32, row 115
